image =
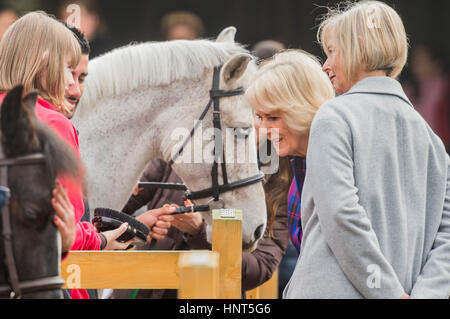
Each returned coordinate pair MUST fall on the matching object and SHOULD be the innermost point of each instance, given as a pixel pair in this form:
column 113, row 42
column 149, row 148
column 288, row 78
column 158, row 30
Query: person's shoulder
column 343, row 102
column 335, row 115
column 334, row 109
column 50, row 116
column 58, row 122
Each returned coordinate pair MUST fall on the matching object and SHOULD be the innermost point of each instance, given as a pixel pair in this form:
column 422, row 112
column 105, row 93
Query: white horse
column 137, row 96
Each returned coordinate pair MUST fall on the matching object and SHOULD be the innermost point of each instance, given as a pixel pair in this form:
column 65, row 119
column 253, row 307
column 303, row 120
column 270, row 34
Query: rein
column 216, row 190
column 16, row 288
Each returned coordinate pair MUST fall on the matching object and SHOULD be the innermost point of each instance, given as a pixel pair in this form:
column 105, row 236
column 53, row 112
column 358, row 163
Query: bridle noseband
column 216, row 190
column 16, row 288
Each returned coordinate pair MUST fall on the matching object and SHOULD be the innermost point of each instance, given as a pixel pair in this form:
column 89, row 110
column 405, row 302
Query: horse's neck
column 37, row 255
column 119, row 137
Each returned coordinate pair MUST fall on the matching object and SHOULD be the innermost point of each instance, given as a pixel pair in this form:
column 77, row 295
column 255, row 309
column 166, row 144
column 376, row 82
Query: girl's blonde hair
column 369, row 34
column 293, row 84
column 33, row 53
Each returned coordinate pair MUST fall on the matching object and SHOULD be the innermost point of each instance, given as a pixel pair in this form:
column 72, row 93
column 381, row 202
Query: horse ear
column 29, row 101
column 235, row 68
column 18, row 134
column 10, row 110
column 227, row 35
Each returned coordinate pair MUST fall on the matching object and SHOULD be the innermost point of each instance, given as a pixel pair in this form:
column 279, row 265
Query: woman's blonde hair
column 33, row 53
column 276, row 190
column 293, row 84
column 369, row 34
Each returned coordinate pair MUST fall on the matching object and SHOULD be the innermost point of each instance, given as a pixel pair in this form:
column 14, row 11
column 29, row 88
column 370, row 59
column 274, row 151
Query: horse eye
column 242, row 132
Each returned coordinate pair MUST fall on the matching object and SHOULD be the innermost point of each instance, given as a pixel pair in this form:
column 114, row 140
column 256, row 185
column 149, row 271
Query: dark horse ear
column 17, row 123
column 29, row 101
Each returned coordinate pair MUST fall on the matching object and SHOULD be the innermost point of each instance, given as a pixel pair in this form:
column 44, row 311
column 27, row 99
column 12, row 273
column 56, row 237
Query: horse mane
column 153, row 64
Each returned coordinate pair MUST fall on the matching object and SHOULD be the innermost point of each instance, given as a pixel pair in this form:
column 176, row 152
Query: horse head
column 141, row 102
column 35, row 237
column 233, row 143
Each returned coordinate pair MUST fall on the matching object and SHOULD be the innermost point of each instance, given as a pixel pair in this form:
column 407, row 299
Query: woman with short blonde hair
column 293, row 84
column 286, row 93
column 34, row 50
column 376, row 200
column 370, row 34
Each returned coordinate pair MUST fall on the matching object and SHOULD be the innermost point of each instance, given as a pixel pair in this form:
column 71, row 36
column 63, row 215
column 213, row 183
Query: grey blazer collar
column 379, row 85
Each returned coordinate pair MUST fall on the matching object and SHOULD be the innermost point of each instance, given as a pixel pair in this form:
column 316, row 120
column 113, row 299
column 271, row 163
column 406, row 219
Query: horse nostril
column 259, row 231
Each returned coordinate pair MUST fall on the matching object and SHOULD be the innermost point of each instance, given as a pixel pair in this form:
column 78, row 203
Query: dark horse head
column 35, row 238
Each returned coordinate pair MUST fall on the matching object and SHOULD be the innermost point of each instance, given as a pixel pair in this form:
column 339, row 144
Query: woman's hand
column 190, row 223
column 158, row 220
column 65, row 217
column 111, row 238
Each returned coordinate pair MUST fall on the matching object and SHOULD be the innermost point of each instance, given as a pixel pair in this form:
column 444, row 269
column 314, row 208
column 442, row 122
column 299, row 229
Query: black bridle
column 17, row 288
column 216, row 189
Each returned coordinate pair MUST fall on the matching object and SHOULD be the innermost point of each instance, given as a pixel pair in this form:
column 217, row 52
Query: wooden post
column 268, row 290
column 199, row 275
column 253, row 294
column 227, row 241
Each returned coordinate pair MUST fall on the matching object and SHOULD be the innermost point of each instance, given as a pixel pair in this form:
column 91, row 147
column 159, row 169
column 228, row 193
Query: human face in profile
column 75, row 90
column 333, row 65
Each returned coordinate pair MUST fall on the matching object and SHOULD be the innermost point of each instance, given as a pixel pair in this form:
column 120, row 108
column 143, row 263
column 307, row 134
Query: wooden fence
column 196, row 274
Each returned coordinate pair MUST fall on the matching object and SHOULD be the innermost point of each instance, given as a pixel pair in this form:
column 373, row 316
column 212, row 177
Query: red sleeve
column 86, row 235
column 79, row 294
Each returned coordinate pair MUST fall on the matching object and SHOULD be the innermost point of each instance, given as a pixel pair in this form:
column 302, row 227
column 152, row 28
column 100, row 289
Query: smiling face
column 362, row 39
column 285, row 94
column 286, row 141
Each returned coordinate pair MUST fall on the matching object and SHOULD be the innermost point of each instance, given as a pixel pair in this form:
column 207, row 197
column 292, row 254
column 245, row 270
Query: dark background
column 293, row 22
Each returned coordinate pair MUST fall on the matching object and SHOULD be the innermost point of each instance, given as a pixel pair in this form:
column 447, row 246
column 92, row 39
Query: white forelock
column 153, row 64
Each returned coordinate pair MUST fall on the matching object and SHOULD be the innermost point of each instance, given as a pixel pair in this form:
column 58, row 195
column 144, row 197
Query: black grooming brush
column 106, row 219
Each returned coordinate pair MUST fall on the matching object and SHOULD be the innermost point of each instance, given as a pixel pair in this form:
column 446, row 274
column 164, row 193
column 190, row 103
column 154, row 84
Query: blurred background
column 291, row 23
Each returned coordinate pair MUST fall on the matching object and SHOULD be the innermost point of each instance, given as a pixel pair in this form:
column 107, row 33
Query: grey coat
column 376, row 200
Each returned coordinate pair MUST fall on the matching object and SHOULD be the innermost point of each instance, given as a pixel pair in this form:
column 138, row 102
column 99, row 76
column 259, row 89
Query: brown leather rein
column 16, row 288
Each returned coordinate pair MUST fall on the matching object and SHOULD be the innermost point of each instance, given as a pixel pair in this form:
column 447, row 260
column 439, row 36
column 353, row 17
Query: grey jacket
column 376, row 200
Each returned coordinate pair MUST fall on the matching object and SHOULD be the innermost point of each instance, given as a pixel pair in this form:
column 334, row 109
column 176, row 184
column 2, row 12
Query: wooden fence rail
column 145, row 270
column 195, row 274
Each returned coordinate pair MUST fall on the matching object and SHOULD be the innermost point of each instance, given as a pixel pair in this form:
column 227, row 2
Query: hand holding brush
column 158, row 221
